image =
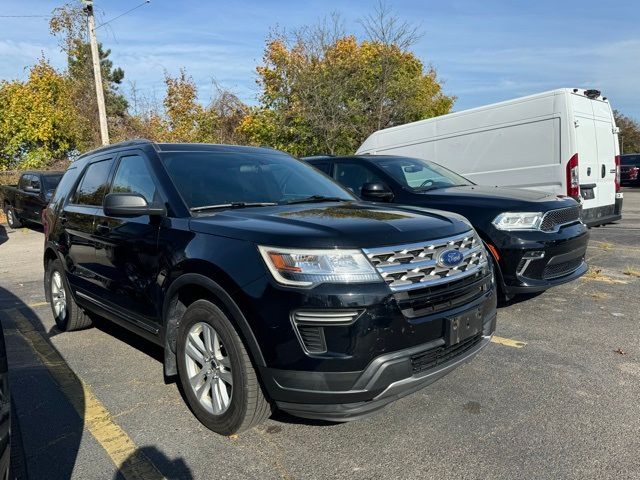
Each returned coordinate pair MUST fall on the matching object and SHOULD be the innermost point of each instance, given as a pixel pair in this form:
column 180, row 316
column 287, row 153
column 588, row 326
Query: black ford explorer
column 267, row 284
column 536, row 240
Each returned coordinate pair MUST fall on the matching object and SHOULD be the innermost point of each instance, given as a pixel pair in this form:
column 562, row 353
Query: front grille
column 562, row 269
column 437, row 298
column 554, row 219
column 418, row 265
column 439, row 355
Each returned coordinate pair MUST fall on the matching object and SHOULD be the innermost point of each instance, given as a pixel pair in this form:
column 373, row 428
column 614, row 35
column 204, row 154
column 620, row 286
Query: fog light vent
column 310, row 324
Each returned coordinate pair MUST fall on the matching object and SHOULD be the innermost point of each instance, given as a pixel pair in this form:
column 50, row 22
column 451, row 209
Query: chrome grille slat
column 405, row 267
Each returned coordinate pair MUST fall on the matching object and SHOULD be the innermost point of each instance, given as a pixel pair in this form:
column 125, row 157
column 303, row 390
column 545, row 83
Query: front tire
column 216, row 373
column 66, row 312
column 12, row 219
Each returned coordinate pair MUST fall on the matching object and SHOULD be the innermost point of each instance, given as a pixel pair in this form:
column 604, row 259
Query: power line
column 123, row 14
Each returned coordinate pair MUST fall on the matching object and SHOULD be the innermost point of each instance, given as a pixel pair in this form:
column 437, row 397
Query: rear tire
column 217, row 376
column 12, row 219
column 66, row 312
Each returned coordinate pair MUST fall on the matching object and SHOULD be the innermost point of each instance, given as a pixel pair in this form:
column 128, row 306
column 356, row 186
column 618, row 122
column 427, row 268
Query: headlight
column 306, row 268
column 518, row 221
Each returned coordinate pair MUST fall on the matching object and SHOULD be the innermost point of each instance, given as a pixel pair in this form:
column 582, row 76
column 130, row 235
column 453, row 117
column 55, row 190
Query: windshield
column 51, row 182
column 630, row 159
column 222, row 179
column 420, row 175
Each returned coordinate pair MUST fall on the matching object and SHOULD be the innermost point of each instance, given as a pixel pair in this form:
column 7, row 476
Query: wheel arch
column 49, row 256
column 188, row 288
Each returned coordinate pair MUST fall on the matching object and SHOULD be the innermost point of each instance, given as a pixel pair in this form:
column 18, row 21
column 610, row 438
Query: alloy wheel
column 208, row 368
column 58, row 296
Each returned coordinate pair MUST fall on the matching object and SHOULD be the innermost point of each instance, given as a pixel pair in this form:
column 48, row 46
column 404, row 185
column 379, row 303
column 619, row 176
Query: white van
column 564, row 142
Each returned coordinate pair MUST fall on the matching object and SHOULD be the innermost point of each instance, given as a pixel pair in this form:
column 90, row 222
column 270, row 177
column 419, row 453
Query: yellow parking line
column 38, row 304
column 507, row 342
column 131, row 462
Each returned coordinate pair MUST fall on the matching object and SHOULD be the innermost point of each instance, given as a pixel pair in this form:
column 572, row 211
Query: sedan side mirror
column 129, row 205
column 376, row 191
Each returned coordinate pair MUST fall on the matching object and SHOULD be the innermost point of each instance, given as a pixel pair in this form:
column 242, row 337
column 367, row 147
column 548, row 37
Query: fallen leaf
column 620, row 351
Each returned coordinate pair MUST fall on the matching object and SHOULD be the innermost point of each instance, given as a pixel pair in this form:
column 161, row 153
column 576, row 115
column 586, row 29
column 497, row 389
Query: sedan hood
column 331, row 224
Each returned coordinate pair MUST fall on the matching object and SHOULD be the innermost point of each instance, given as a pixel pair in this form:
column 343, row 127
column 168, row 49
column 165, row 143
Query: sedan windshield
column 210, row 180
column 420, row 175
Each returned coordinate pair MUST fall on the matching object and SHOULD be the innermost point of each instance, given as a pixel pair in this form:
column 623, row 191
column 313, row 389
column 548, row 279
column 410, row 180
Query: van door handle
column 603, row 170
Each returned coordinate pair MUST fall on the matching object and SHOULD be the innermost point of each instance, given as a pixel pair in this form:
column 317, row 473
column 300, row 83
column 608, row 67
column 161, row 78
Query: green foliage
column 37, row 119
column 629, row 133
column 320, row 97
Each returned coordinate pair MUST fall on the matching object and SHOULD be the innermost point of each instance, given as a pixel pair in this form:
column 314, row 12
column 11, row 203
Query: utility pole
column 97, row 72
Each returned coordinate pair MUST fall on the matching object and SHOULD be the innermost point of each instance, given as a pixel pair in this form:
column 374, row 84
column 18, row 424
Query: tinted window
column 133, row 176
column 353, row 176
column 630, row 159
column 94, row 184
column 25, row 180
column 51, row 182
column 420, row 175
column 65, row 184
column 35, row 182
column 213, row 178
column 324, row 167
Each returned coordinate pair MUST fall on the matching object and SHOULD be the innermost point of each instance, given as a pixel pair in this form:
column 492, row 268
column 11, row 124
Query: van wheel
column 216, row 373
column 66, row 312
column 12, row 218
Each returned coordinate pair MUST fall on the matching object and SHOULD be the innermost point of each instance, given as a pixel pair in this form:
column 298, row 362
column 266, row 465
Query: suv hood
column 328, row 225
column 501, row 198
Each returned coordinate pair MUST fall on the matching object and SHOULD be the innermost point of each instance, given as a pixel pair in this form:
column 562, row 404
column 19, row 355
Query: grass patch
column 606, row 246
column 599, row 295
column 632, row 272
column 595, row 274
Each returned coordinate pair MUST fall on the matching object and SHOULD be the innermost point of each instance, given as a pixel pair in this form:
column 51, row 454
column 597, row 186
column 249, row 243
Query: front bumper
column 348, row 395
column 563, row 260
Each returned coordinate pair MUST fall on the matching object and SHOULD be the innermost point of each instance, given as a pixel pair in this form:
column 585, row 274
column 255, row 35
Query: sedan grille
column 554, row 219
column 418, row 265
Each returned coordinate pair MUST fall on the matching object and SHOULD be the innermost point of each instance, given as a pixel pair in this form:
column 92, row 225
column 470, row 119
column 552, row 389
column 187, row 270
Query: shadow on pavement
column 49, row 401
column 175, row 469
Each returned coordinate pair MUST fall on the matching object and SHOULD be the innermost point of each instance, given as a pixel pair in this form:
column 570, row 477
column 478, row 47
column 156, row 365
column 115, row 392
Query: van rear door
column 595, row 141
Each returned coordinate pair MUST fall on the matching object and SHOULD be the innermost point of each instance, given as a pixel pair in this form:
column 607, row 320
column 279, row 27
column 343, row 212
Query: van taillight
column 573, row 177
column 617, row 173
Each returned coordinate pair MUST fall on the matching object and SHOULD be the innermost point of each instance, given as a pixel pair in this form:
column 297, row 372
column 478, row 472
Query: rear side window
column 354, row 176
column 133, row 176
column 93, row 185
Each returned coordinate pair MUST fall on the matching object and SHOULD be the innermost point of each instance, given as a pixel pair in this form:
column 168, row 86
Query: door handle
column 103, row 228
column 603, row 171
column 63, row 219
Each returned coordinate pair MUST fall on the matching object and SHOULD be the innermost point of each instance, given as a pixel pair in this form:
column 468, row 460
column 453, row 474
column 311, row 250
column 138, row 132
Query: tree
column 325, row 92
column 38, row 121
column 629, row 133
column 68, row 23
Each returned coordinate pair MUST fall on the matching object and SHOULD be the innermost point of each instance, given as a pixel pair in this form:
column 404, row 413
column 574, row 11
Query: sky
column 484, row 51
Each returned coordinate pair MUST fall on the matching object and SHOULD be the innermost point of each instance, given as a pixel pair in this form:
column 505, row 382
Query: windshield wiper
column 232, row 205
column 317, row 199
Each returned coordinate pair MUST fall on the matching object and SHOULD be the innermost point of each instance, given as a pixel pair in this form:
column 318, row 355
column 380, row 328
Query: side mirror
column 31, row 189
column 129, row 205
column 377, row 192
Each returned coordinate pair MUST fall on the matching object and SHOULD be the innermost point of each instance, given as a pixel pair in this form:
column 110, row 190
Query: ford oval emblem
column 450, row 258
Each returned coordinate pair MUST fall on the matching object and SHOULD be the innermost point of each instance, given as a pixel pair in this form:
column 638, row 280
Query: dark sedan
column 537, row 240
column 630, row 169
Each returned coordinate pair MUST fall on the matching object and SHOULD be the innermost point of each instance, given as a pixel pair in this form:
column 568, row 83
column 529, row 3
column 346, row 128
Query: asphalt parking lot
column 557, row 398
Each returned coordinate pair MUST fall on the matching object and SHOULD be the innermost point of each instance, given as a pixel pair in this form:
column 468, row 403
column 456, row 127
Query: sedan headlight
column 518, row 221
column 306, row 268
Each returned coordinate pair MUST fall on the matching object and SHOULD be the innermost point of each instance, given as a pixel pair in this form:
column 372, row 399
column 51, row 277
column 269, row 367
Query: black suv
column 630, row 169
column 536, row 240
column 266, row 283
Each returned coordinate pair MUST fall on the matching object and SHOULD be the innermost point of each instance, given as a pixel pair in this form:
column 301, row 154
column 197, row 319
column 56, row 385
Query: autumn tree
column 324, row 91
column 38, row 121
column 629, row 133
column 68, row 24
